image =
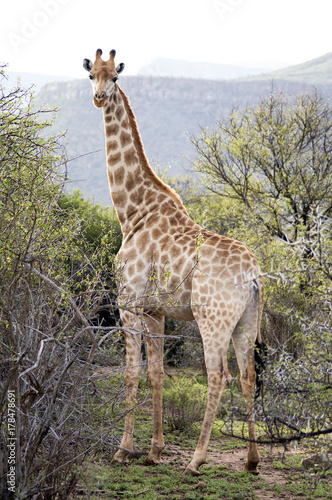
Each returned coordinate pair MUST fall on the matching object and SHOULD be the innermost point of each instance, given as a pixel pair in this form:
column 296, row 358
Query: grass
column 166, row 482
column 282, row 477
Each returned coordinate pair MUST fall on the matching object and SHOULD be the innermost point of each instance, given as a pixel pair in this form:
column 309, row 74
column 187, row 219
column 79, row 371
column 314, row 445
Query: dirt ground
column 235, row 460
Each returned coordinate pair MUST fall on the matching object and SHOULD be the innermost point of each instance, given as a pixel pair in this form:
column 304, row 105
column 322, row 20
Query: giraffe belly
column 181, row 313
column 172, row 305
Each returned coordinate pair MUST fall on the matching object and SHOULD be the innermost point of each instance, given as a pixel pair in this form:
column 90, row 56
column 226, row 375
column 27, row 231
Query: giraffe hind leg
column 244, row 337
column 217, row 383
column 216, row 337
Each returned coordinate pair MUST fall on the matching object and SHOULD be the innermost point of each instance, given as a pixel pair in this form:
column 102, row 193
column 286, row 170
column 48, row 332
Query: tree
column 275, row 156
column 275, row 159
column 270, row 167
column 274, row 162
column 55, row 274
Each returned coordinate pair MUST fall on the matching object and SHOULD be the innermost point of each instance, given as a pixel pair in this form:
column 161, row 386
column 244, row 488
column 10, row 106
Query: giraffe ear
column 120, row 68
column 87, row 64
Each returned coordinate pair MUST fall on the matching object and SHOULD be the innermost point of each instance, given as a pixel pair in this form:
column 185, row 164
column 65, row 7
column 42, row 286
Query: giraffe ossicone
column 171, row 267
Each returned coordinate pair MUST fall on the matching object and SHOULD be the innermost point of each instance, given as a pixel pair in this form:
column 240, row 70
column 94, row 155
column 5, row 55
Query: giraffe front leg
column 155, row 345
column 133, row 350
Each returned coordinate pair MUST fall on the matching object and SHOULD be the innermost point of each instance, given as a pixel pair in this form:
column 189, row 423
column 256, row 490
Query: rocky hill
column 168, row 110
column 316, row 72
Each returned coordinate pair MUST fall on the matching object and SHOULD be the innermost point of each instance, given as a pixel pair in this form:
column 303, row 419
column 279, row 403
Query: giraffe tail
column 260, row 365
column 260, row 355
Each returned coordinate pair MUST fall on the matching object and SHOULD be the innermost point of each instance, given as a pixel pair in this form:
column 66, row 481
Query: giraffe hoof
column 118, row 461
column 151, row 461
column 119, row 458
column 190, row 471
column 252, row 468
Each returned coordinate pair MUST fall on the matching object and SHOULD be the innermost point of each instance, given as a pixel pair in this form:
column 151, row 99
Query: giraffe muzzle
column 99, row 100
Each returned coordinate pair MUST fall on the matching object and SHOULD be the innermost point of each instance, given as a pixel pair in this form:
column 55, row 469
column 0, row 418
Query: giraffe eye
column 91, row 77
column 115, row 79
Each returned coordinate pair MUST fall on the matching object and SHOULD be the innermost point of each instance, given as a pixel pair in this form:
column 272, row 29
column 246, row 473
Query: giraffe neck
column 135, row 190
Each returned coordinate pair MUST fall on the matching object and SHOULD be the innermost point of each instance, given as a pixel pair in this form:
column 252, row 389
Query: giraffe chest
column 158, row 273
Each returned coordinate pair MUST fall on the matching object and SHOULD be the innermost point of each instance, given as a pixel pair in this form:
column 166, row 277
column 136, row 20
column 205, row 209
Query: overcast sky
column 53, row 36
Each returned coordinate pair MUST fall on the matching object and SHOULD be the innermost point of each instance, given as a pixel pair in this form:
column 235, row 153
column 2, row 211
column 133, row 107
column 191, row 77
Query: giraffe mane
column 142, row 156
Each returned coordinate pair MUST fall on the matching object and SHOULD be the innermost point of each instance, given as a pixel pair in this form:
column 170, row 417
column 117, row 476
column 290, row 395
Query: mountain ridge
column 314, row 71
column 179, row 68
column 168, row 111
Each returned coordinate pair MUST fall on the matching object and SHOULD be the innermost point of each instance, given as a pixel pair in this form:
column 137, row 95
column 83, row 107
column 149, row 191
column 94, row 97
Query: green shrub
column 184, row 403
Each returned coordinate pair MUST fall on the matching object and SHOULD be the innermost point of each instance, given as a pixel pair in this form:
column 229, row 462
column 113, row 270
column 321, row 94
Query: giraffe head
column 103, row 76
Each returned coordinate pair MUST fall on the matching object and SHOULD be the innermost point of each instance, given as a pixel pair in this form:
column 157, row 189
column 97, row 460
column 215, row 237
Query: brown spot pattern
column 112, row 129
column 119, row 113
column 119, row 175
column 130, row 181
column 125, row 139
column 114, row 159
column 130, row 157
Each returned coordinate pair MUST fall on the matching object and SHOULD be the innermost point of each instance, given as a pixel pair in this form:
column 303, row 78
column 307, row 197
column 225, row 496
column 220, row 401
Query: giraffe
column 171, row 267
